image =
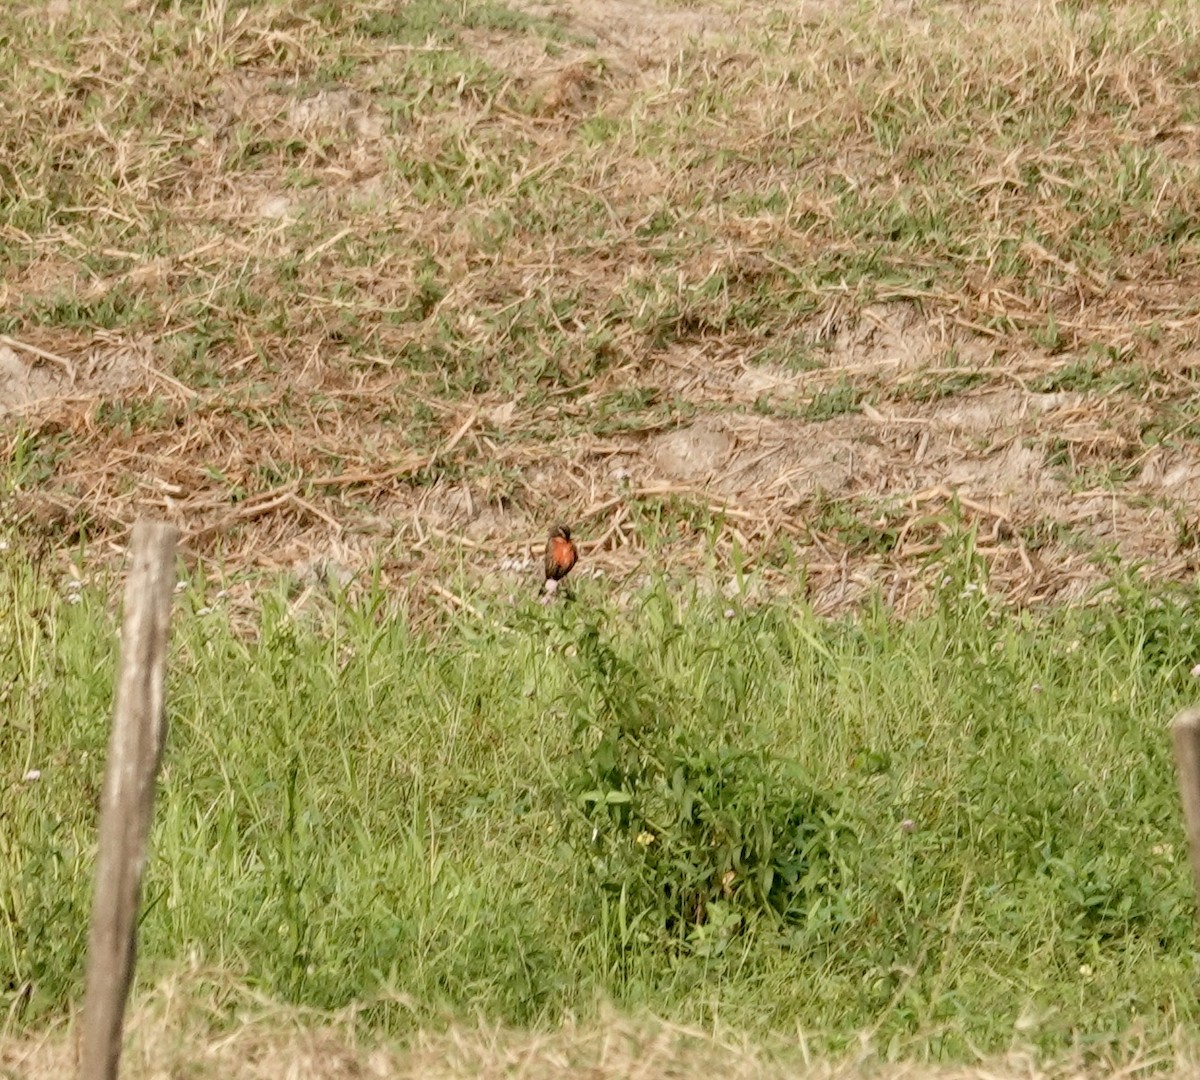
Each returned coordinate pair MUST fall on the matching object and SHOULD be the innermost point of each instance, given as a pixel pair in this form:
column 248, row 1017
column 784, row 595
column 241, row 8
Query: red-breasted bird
column 561, row 555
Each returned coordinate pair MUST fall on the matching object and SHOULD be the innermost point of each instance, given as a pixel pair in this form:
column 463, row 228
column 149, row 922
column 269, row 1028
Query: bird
column 561, row 555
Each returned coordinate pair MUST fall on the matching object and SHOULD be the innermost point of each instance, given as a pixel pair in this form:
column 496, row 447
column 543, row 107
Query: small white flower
column 1196, row 672
column 3, row 545
column 73, row 598
column 33, row 776
column 1085, row 970
column 729, row 613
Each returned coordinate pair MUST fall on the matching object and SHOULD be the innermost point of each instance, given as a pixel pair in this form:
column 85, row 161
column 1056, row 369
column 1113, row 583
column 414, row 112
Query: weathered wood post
column 1185, row 731
column 134, row 751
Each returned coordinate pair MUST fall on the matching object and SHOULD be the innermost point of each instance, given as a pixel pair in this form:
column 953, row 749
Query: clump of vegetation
column 694, row 836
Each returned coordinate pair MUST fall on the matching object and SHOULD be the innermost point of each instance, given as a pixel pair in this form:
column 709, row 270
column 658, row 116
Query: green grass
column 448, row 819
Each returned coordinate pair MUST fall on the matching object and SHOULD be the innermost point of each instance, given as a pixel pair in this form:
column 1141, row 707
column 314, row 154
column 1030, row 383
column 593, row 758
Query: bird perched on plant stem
column 561, row 555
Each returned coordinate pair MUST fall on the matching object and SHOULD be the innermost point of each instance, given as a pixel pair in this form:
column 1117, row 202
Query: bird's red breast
column 561, row 555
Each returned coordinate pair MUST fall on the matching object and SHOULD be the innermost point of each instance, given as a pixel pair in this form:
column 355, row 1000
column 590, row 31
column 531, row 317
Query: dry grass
column 184, row 1029
column 332, row 282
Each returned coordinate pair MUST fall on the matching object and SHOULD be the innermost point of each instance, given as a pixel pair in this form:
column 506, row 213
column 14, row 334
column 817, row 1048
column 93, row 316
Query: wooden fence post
column 134, row 751
column 1185, row 731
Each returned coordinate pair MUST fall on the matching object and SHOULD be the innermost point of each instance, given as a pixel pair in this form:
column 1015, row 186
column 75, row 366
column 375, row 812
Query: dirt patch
column 790, row 461
column 1174, row 474
column 970, row 444
column 996, row 411
column 638, row 29
column 1016, row 472
column 24, row 383
column 695, row 453
column 653, row 34
column 35, row 380
column 896, row 337
column 340, row 110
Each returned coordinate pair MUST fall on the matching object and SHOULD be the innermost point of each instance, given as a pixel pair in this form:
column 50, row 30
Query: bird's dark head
column 563, row 531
